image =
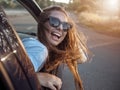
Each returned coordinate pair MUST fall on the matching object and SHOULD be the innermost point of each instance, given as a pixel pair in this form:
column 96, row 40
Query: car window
column 22, row 21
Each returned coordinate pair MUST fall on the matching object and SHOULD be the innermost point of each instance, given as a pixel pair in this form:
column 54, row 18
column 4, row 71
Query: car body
column 16, row 70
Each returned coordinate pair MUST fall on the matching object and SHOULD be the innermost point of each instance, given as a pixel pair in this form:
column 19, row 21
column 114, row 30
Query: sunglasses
column 55, row 22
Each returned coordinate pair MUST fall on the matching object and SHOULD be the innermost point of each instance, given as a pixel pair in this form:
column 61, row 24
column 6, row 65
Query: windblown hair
column 68, row 51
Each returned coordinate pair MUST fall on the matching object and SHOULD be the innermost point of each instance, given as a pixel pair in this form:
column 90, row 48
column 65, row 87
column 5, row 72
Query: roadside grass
column 109, row 25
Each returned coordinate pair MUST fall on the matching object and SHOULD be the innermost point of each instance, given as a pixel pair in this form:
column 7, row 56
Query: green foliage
column 73, row 6
column 83, row 5
column 44, row 3
column 15, row 4
column 10, row 4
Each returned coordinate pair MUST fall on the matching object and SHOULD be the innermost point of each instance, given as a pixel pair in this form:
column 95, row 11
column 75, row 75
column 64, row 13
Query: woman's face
column 55, row 35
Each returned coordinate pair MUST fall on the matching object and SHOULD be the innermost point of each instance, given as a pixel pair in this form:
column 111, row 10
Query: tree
column 8, row 3
column 44, row 3
column 83, row 5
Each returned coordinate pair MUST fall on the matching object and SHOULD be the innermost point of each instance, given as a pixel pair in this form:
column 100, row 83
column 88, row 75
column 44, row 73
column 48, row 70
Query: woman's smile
column 55, row 35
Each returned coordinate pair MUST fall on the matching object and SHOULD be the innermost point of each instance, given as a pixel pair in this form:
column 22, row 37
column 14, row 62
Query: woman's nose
column 60, row 27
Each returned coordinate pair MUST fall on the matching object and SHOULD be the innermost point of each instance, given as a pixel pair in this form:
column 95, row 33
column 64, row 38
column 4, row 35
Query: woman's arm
column 36, row 51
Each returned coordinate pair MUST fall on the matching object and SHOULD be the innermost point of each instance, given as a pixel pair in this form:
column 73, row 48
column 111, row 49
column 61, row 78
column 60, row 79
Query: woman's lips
column 56, row 35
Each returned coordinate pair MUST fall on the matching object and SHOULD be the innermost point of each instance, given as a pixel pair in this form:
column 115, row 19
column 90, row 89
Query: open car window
column 21, row 20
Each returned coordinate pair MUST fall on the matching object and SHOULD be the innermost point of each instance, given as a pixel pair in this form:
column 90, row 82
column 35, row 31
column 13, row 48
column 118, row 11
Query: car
column 16, row 70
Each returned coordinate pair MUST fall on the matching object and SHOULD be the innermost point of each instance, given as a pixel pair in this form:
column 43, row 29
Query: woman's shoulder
column 36, row 51
column 29, row 42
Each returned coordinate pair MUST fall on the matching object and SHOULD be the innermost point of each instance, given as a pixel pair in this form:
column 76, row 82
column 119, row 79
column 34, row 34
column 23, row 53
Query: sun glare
column 111, row 5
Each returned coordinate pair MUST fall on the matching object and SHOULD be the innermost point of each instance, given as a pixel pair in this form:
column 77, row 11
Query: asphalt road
column 102, row 72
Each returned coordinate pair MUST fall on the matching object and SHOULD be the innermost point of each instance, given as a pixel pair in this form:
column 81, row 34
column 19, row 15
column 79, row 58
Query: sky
column 64, row 1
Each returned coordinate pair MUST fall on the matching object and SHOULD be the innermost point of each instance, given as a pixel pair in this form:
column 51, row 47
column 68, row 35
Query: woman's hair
column 68, row 51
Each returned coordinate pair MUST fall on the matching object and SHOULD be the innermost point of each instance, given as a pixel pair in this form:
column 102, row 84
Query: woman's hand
column 49, row 80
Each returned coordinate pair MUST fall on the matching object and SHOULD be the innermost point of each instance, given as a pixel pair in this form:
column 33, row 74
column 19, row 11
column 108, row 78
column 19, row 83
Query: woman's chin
column 54, row 43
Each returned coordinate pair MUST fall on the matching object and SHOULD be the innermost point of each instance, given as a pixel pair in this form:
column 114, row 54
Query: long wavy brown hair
column 68, row 51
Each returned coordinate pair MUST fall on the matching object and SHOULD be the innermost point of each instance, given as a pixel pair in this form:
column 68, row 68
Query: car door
column 16, row 70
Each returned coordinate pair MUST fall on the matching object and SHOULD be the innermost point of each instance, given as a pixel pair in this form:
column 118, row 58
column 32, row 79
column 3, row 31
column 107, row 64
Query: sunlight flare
column 111, row 5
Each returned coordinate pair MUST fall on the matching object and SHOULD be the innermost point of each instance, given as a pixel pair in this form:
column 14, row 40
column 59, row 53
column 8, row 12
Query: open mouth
column 56, row 35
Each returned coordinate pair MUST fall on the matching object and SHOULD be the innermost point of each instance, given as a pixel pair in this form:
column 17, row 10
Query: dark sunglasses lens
column 54, row 22
column 66, row 26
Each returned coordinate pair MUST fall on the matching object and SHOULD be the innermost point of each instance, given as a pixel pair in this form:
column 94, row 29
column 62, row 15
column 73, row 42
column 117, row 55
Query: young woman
column 57, row 32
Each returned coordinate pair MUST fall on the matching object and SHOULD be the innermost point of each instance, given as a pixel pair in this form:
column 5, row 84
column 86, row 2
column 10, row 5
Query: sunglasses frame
column 69, row 25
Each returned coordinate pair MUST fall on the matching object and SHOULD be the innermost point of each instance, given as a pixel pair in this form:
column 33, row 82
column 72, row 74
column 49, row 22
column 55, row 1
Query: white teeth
column 57, row 34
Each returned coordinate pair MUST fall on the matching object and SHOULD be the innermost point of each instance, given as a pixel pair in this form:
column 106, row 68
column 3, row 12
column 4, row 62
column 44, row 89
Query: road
column 102, row 72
